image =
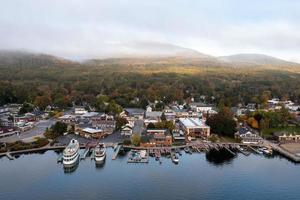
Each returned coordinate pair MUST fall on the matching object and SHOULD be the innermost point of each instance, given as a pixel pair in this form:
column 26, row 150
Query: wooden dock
column 9, row 156
column 254, row 150
column 116, row 152
column 229, row 150
column 85, row 153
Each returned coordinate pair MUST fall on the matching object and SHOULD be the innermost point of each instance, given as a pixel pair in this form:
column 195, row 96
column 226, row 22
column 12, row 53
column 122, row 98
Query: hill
column 28, row 59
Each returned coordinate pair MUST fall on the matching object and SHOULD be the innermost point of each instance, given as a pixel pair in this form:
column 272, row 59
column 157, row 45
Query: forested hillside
column 48, row 80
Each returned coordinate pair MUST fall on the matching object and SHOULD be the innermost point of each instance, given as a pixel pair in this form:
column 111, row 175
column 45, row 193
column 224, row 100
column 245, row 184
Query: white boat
column 71, row 154
column 100, row 152
column 174, row 158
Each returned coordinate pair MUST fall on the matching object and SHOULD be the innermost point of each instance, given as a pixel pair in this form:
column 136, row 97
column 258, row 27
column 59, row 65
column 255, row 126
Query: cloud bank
column 106, row 28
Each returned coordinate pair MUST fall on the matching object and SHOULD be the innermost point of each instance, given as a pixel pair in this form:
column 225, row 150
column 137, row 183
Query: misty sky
column 103, row 28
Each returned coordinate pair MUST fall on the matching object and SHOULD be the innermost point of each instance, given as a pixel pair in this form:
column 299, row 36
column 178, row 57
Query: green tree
column 120, row 121
column 136, row 139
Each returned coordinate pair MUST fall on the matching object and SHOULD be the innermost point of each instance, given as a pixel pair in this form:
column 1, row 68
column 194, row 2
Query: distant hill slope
column 171, row 56
column 256, row 59
column 27, row 59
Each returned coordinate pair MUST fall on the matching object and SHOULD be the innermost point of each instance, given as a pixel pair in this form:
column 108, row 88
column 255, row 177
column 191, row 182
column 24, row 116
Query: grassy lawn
column 268, row 132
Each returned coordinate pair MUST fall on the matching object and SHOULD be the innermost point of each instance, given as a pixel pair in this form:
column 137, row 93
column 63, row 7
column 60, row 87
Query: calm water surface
column 197, row 176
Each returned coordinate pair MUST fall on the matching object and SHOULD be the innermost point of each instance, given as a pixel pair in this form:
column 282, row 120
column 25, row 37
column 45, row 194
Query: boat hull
column 100, row 158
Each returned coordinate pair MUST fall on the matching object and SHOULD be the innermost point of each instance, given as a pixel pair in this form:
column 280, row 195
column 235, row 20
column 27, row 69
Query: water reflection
column 220, row 157
column 68, row 169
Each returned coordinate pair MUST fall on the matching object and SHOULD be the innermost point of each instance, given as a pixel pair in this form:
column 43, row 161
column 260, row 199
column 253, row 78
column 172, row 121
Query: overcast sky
column 103, row 28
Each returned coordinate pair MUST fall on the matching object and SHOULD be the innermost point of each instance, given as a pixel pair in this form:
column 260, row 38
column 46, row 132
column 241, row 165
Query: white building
column 80, row 111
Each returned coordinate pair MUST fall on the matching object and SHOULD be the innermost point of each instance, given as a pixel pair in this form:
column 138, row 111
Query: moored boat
column 174, row 158
column 70, row 154
column 100, row 152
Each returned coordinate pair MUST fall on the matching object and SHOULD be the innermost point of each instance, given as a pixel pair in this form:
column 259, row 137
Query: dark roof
column 38, row 113
column 243, row 130
column 135, row 111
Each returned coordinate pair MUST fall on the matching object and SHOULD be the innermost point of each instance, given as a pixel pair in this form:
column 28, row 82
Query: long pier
column 285, row 153
column 116, row 152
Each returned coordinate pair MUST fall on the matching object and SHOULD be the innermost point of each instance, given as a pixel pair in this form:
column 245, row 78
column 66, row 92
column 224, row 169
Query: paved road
column 38, row 130
column 138, row 126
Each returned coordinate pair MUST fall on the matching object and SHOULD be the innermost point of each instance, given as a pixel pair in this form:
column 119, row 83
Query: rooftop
column 192, row 122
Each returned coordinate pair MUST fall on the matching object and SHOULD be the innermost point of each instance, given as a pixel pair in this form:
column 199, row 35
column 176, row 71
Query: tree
column 26, row 107
column 136, row 139
column 222, row 123
column 163, row 117
column 150, row 126
column 56, row 130
column 120, row 121
column 114, row 108
column 165, row 125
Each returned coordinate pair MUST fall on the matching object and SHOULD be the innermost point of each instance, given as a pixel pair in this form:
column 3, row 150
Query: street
column 37, row 130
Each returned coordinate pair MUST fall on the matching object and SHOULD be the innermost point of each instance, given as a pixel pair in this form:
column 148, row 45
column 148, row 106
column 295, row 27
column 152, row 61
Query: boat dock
column 9, row 156
column 138, row 156
column 116, row 151
column 254, row 150
column 85, row 153
column 60, row 158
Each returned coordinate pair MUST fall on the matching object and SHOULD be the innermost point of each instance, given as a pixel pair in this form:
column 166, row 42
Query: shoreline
column 204, row 147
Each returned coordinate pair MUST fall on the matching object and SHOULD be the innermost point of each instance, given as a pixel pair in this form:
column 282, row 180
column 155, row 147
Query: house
column 170, row 115
column 136, row 113
column 156, row 138
column 80, row 110
column 68, row 119
column 194, row 127
column 8, row 131
column 126, row 130
column 152, row 117
column 284, row 137
column 4, row 111
column 247, row 136
column 149, row 108
column 200, row 107
column 89, row 115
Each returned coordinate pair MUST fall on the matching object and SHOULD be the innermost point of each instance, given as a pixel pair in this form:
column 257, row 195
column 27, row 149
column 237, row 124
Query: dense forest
column 48, row 80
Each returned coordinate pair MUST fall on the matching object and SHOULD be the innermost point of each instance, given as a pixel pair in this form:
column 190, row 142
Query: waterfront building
column 156, row 138
column 89, row 132
column 284, row 137
column 194, row 127
column 247, row 136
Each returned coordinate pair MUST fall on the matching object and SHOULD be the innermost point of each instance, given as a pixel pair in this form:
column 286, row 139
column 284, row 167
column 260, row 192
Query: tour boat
column 100, row 152
column 71, row 154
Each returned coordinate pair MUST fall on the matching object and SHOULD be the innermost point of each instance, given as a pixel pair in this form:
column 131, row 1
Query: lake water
column 197, row 176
